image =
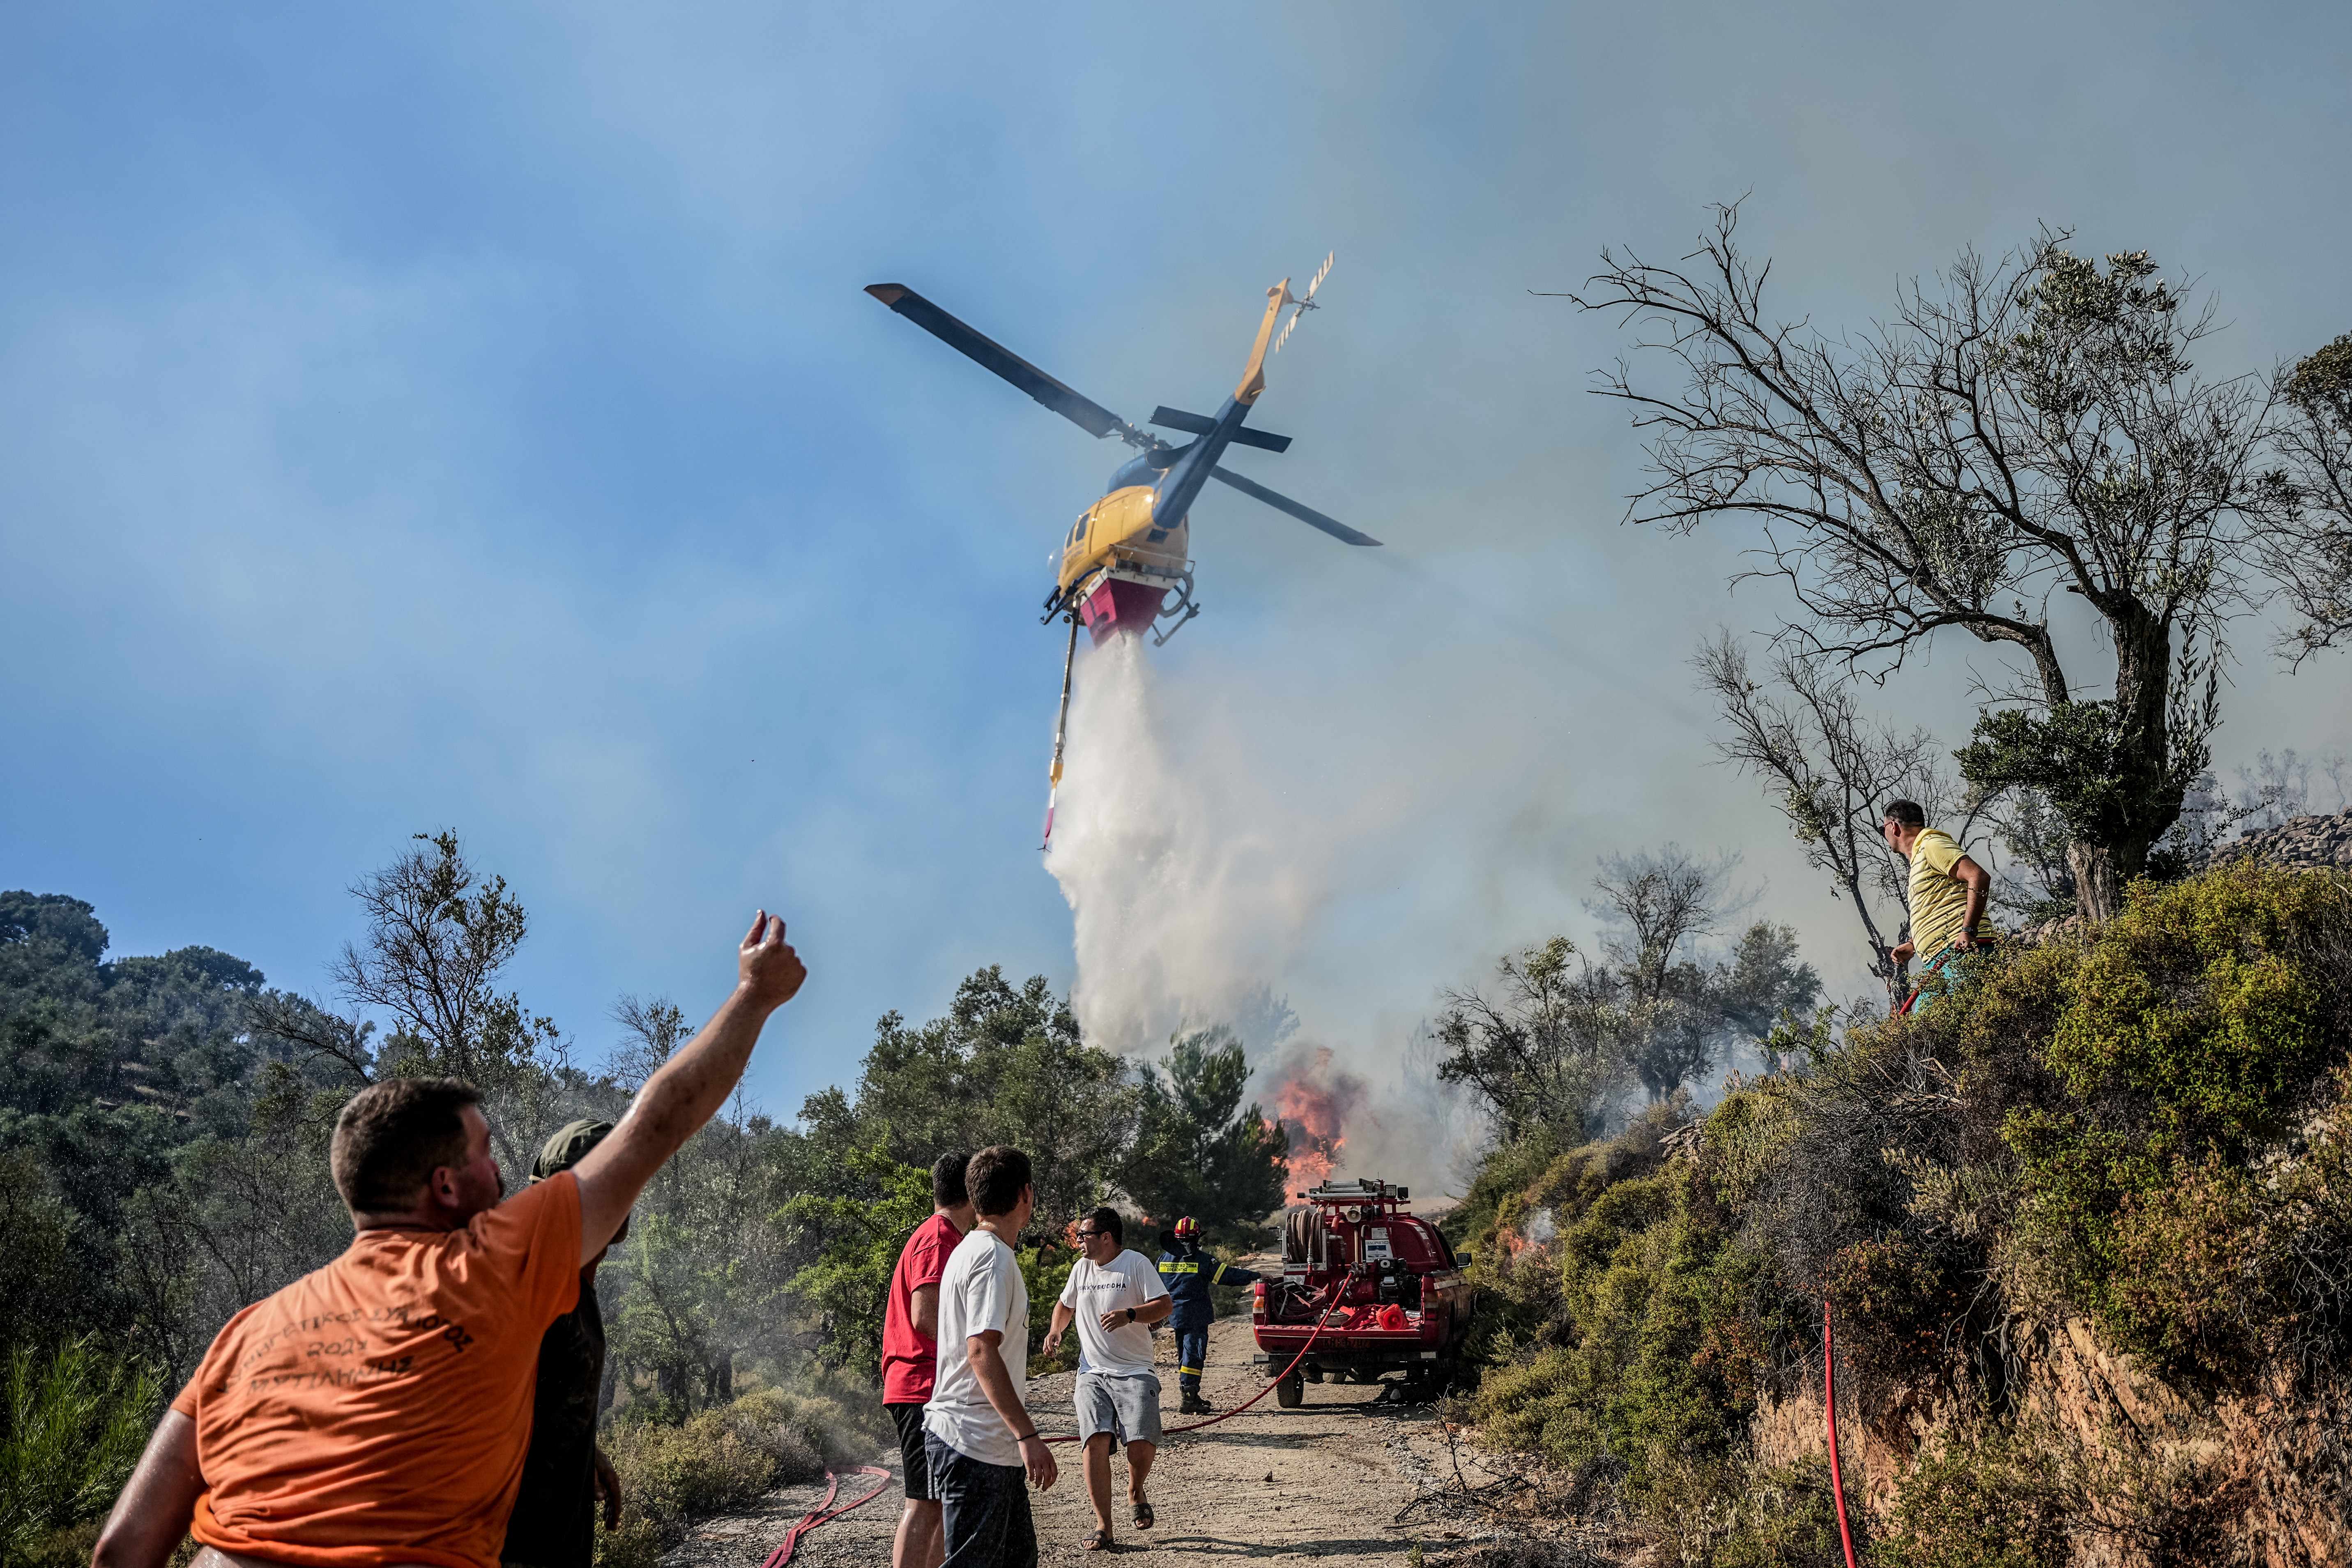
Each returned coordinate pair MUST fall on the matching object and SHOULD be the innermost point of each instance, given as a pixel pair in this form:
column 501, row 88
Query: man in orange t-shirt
column 376, row 1412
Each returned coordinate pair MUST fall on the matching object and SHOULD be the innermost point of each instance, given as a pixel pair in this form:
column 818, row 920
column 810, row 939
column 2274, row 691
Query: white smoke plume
column 1199, row 855
column 1185, row 908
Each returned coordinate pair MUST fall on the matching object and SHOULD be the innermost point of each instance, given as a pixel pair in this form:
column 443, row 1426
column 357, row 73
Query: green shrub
column 1746, row 1135
column 2193, row 1029
column 1044, row 1269
column 724, row 1457
column 2198, row 997
column 71, row 1428
column 1901, row 1294
column 2135, row 1122
column 670, row 1475
column 1658, row 1361
column 636, row 1543
column 1985, row 1499
column 1736, row 1513
column 798, row 1433
column 717, row 1460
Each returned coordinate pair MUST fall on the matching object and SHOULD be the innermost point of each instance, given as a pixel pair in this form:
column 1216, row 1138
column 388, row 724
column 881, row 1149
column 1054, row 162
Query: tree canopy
column 2030, row 427
column 1198, row 1151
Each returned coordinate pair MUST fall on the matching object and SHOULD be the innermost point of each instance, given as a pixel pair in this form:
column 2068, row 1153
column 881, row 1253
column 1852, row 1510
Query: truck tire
column 1291, row 1392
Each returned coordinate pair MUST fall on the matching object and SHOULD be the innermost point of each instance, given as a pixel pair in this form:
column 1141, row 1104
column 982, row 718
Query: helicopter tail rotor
column 1306, row 302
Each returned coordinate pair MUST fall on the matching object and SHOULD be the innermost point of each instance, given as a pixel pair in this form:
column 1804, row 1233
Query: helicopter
column 1124, row 564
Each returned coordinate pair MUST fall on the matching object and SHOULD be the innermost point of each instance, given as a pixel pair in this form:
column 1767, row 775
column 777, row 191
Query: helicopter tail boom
column 1254, row 373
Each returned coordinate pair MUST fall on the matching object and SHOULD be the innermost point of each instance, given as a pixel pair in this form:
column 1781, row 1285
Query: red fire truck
column 1403, row 1301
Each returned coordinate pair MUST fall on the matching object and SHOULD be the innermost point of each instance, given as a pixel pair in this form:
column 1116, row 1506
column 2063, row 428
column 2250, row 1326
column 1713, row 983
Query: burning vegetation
column 1314, row 1099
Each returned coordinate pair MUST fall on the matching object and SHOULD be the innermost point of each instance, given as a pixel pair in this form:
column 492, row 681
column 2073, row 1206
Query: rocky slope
column 2301, row 841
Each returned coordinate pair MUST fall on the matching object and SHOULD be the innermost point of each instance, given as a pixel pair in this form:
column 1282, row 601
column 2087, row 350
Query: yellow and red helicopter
column 1124, row 563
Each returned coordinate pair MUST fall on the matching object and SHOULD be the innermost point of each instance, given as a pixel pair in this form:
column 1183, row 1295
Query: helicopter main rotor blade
column 1072, row 404
column 1280, row 502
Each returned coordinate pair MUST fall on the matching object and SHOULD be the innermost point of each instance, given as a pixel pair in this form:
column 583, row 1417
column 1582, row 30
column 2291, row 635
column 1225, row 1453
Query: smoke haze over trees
column 1566, row 1032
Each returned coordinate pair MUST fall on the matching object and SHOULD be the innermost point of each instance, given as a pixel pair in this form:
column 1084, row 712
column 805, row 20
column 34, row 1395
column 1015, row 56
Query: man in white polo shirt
column 1114, row 1296
column 978, row 1434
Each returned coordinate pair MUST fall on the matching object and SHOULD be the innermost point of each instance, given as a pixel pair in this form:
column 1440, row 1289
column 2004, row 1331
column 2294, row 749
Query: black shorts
column 908, row 1420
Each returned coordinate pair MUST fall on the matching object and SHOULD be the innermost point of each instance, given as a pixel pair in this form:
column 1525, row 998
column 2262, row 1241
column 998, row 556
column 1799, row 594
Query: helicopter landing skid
column 1177, row 614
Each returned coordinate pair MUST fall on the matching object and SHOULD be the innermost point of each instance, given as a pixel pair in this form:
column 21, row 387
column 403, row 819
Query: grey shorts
column 1125, row 1405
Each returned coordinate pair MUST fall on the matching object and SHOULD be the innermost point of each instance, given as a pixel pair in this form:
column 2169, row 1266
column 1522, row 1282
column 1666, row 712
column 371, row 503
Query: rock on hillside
column 2303, row 842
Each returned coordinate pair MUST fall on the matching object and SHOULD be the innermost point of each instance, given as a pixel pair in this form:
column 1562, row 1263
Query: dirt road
column 1323, row 1480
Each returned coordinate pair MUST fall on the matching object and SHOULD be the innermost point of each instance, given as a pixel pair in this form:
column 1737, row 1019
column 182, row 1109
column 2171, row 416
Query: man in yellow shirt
column 1947, row 893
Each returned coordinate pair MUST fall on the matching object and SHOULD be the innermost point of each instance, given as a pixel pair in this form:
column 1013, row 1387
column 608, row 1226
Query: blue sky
column 469, row 416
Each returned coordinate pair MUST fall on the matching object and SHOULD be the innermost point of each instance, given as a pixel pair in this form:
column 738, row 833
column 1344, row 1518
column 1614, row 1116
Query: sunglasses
column 1091, row 1235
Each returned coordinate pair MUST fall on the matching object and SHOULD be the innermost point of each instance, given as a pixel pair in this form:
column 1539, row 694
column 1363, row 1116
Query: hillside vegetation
column 2086, row 1226
column 164, row 1135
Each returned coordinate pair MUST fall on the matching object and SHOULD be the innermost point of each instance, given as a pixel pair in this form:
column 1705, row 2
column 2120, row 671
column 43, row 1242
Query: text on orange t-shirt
column 377, row 1410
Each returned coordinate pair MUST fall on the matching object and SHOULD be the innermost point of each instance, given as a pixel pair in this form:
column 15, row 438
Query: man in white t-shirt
column 1114, row 1296
column 976, row 1434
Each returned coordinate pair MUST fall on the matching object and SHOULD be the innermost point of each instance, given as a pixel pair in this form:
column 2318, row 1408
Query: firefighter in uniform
column 1188, row 1272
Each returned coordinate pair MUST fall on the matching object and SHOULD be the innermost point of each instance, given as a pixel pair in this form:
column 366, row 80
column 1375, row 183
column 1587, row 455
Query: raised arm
column 151, row 1518
column 688, row 1090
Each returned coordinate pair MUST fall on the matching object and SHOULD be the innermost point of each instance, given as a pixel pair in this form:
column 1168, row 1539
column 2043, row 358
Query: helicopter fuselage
column 1130, row 550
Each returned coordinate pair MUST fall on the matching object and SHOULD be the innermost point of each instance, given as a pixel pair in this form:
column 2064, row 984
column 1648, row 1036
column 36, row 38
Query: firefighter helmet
column 1187, row 1228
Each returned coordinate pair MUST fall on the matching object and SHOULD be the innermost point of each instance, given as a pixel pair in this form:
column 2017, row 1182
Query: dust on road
column 1325, row 1481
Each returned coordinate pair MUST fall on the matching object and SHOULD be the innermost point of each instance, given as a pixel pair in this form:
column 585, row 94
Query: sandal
column 1143, row 1516
column 1098, row 1542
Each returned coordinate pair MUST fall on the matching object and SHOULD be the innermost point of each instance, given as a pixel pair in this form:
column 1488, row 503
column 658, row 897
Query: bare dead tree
column 1665, row 898
column 2311, row 551
column 2037, row 426
column 313, row 1032
column 653, row 1030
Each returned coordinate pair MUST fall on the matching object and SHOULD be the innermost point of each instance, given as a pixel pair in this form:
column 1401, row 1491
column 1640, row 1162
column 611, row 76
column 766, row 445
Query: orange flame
column 1314, row 1102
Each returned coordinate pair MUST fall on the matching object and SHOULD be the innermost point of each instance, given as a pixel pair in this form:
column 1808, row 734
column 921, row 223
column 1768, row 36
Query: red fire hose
column 1339, row 1287
column 824, row 1512
column 1829, row 1402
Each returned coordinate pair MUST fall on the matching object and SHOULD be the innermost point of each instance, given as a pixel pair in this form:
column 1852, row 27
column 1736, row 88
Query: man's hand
column 766, row 970
column 1052, row 1342
column 1039, row 1458
column 608, row 1486
column 1115, row 1318
column 688, row 1090
column 1900, row 953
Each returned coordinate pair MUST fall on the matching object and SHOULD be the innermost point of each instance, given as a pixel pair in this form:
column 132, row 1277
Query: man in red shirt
column 910, row 1349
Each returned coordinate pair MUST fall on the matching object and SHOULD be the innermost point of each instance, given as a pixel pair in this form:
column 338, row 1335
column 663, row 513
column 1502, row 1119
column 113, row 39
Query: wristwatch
column 1131, row 1314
